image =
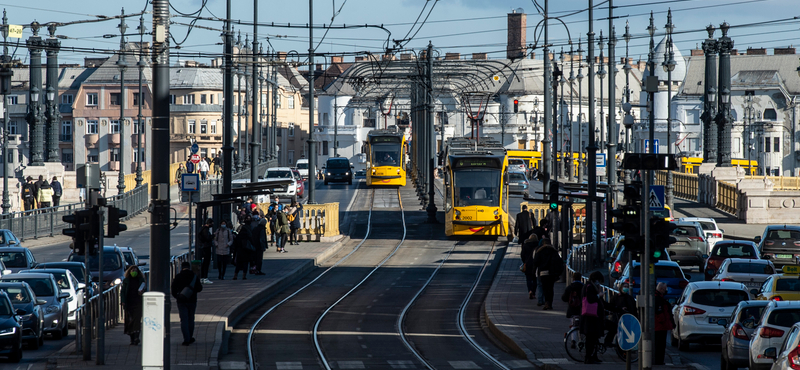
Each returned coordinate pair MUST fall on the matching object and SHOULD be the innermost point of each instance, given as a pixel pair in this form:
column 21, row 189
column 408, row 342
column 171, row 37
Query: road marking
column 289, row 365
column 352, row 200
column 554, row 360
column 401, row 364
column 233, row 365
column 463, row 365
column 351, row 364
column 518, row 364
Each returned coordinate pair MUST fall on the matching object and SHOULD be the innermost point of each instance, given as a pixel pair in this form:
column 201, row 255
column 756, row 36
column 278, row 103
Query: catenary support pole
column 312, row 143
column 547, row 154
column 591, row 150
column 255, row 145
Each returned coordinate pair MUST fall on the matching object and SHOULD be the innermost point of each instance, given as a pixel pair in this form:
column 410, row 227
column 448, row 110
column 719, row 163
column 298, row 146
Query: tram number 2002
column 467, row 218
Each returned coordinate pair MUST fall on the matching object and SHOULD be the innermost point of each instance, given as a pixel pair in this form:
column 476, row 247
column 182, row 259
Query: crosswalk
column 357, row 365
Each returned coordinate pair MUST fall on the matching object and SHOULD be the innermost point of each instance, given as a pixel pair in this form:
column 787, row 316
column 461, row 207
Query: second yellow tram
column 476, row 193
column 386, row 151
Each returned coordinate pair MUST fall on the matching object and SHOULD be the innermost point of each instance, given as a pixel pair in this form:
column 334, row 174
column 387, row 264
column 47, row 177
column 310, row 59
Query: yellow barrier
column 727, row 197
column 781, row 183
column 317, row 219
column 685, row 185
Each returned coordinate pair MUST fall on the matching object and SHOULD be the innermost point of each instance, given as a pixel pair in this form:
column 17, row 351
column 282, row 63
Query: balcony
column 135, row 140
column 91, row 140
column 113, row 138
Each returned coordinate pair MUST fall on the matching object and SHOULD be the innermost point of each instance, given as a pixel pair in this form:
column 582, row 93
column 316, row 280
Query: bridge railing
column 728, row 197
column 685, row 185
column 579, row 260
column 779, row 183
column 317, row 221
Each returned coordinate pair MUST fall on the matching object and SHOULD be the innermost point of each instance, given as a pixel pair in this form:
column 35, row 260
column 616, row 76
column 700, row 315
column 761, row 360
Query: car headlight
column 117, row 281
column 27, row 317
column 52, row 309
column 9, row 331
column 347, row 173
column 329, row 173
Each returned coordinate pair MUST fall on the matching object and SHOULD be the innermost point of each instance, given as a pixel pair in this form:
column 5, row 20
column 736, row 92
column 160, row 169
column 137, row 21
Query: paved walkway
column 219, row 303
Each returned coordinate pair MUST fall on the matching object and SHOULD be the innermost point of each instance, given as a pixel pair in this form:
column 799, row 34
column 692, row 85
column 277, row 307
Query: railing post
column 52, row 211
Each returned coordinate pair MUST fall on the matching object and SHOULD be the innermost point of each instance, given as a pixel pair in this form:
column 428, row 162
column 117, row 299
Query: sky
column 459, row 26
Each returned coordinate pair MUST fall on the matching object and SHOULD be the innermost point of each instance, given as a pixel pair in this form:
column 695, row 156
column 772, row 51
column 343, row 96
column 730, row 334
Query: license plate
column 752, row 284
column 784, row 256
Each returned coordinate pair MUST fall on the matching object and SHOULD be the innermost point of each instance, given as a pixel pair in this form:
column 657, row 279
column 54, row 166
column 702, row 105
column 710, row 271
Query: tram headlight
column 398, row 171
column 496, row 212
column 458, row 214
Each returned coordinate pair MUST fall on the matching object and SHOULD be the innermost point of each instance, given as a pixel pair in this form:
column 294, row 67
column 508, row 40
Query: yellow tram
column 386, row 150
column 476, row 192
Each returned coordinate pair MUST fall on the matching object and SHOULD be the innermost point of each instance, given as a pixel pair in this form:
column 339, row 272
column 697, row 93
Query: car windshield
column 751, row 268
column 477, row 188
column 41, row 287
column 788, row 285
column 75, row 270
column 707, row 225
column 734, row 250
column 5, row 308
column 61, row 279
column 664, row 213
column 684, row 231
column 719, row 297
column 128, row 257
column 662, row 272
column 784, row 317
column 302, row 166
column 13, row 259
column 337, row 164
column 516, row 176
column 279, row 174
column 783, row 234
column 111, row 261
column 17, row 294
column 750, row 316
column 516, row 162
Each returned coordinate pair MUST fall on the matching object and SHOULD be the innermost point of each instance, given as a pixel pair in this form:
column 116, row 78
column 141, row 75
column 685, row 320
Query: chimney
column 336, row 59
column 282, row 56
column 517, row 26
column 735, row 52
column 479, row 56
column 697, row 52
column 319, row 67
column 360, row 59
column 452, row 56
column 756, row 51
column 785, row 51
column 642, row 65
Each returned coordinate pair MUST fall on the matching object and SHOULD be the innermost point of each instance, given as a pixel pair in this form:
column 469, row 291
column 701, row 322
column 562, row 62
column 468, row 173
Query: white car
column 283, row 173
column 752, row 273
column 302, row 167
column 702, row 304
column 709, row 226
column 778, row 318
column 67, row 283
column 787, row 356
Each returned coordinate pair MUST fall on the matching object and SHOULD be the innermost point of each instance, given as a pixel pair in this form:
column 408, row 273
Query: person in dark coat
column 295, row 213
column 258, row 226
column 130, row 295
column 543, row 260
column 526, row 255
column 664, row 323
column 205, row 239
column 620, row 304
column 244, row 249
column 573, row 295
column 57, row 191
column 541, row 230
column 186, row 306
column 523, row 225
column 592, row 323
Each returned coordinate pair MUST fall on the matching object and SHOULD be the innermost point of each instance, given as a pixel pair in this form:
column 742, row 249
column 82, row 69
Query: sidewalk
column 219, row 306
column 533, row 333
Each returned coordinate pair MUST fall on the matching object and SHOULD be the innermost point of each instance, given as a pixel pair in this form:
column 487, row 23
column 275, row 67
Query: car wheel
column 674, row 341
column 16, row 355
column 65, row 331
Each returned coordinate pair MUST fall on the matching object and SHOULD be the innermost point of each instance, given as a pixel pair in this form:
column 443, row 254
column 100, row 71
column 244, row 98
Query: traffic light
column 629, row 225
column 516, row 106
column 114, row 227
column 649, row 161
column 554, row 185
column 80, row 232
column 661, row 234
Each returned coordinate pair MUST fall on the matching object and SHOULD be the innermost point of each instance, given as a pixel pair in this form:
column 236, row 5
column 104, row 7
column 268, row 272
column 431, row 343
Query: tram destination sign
column 477, row 162
column 385, row 139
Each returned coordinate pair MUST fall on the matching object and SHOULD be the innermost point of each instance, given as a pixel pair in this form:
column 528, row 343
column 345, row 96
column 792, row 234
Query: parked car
column 302, row 166
column 282, row 173
column 728, row 249
column 666, row 271
column 8, row 239
column 10, row 330
column 787, row 356
column 30, row 308
column 699, row 308
column 711, row 231
column 68, row 283
column 689, row 248
column 113, row 266
column 780, row 243
column 778, row 318
column 17, row 258
column 78, row 270
column 56, row 309
column 301, row 187
column 361, row 173
column 518, row 184
column 737, row 332
column 338, row 169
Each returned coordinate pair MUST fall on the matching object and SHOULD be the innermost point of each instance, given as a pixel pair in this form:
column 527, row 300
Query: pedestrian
column 130, row 295
column 179, row 172
column 184, row 289
column 523, row 225
column 283, row 230
column 217, row 163
column 541, row 230
column 272, row 214
column 549, row 266
column 294, row 215
column 592, row 310
column 526, row 255
column 619, row 305
column 572, row 295
column 223, row 241
column 36, row 186
column 664, row 323
column 205, row 238
column 28, row 194
column 258, row 226
column 45, row 195
column 244, row 249
column 57, row 191
column 202, row 166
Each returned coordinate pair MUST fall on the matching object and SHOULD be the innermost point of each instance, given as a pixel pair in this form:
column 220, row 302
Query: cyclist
column 592, row 316
column 620, row 304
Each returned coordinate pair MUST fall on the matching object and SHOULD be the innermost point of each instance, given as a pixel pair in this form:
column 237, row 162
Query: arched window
column 770, row 114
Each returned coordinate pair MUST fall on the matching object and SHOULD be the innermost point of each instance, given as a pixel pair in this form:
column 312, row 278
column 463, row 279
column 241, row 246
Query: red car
column 725, row 249
column 301, row 187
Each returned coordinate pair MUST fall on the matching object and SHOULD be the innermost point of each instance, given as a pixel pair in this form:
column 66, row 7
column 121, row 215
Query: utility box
column 153, row 331
column 88, row 175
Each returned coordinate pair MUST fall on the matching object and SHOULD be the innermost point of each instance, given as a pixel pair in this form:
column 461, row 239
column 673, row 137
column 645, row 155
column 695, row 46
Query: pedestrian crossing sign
column 656, row 198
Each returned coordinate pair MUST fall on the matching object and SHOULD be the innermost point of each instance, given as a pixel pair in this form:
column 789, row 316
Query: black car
column 76, row 268
column 780, row 244
column 10, row 330
column 114, row 266
column 29, row 308
column 338, row 169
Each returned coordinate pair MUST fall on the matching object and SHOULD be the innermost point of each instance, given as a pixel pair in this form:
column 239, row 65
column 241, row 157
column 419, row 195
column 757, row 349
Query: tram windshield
column 386, row 154
column 477, row 187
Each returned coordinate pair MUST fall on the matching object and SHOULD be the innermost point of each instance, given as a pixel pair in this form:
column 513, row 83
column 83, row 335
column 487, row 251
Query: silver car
column 736, row 337
column 518, row 184
column 56, row 310
column 690, row 245
column 517, row 165
column 786, row 357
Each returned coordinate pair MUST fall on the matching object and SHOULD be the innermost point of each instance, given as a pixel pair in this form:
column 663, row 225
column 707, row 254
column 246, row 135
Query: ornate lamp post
column 724, row 118
column 5, row 87
column 572, row 142
column 601, row 74
column 627, row 69
column 36, row 140
column 581, row 160
column 562, row 120
column 139, row 119
column 123, row 66
column 239, row 159
column 669, row 66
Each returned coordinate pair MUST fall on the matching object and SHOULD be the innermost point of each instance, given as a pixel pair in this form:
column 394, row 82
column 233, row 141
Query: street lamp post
column 239, row 159
column 561, row 121
column 123, row 66
column 581, row 159
column 724, row 118
column 572, row 141
column 139, row 118
column 627, row 69
column 36, row 139
column 669, row 66
column 5, row 87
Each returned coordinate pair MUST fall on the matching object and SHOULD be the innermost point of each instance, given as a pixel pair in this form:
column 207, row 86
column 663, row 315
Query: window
column 115, row 126
column 67, row 99
column 719, row 297
column 13, row 99
column 12, row 127
column 291, row 129
column 66, row 131
column 203, row 152
column 324, row 148
column 263, row 100
column 325, row 119
column 136, row 155
column 290, row 157
column 91, row 99
column 776, row 145
column 766, row 144
column 770, row 114
column 210, row 98
column 369, row 122
column 737, row 143
column 213, row 126
column 203, row 99
column 92, row 156
column 135, row 129
column 290, row 102
column 113, row 154
column 188, row 99
column 191, row 126
column 66, row 155
column 278, row 101
column 135, row 98
column 91, row 127
column 203, row 126
column 172, row 99
column 115, row 99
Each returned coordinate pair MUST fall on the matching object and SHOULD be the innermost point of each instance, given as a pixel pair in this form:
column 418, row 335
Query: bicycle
column 575, row 344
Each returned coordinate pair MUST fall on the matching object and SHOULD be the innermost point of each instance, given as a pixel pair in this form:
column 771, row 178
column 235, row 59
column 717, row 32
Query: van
column 302, row 167
column 338, row 169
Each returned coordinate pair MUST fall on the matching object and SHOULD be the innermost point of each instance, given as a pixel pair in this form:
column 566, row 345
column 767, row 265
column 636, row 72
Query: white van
column 302, row 167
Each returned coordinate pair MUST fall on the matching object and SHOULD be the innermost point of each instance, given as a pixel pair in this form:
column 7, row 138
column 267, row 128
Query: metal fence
column 579, row 260
column 47, row 221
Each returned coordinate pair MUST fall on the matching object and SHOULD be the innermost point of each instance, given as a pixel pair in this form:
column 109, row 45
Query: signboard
column 190, row 182
column 647, row 146
column 629, row 332
column 195, row 158
column 600, row 163
column 656, row 198
column 477, row 162
column 15, row 31
column 195, row 148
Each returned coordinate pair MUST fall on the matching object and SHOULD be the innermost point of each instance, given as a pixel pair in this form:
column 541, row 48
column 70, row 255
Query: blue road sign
column 190, row 182
column 656, row 198
column 629, row 332
column 647, row 146
column 195, row 148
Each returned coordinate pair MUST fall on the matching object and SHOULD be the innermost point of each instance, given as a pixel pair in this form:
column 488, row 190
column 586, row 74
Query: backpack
column 556, row 265
column 291, row 217
column 574, row 299
column 27, row 192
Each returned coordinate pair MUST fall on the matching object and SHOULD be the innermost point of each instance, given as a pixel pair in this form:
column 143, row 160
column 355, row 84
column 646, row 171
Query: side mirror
column 757, row 239
column 722, row 322
column 754, row 292
column 351, row 166
column 63, row 295
column 6, row 272
column 21, row 312
column 40, row 302
column 722, row 231
column 771, row 352
column 81, row 286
